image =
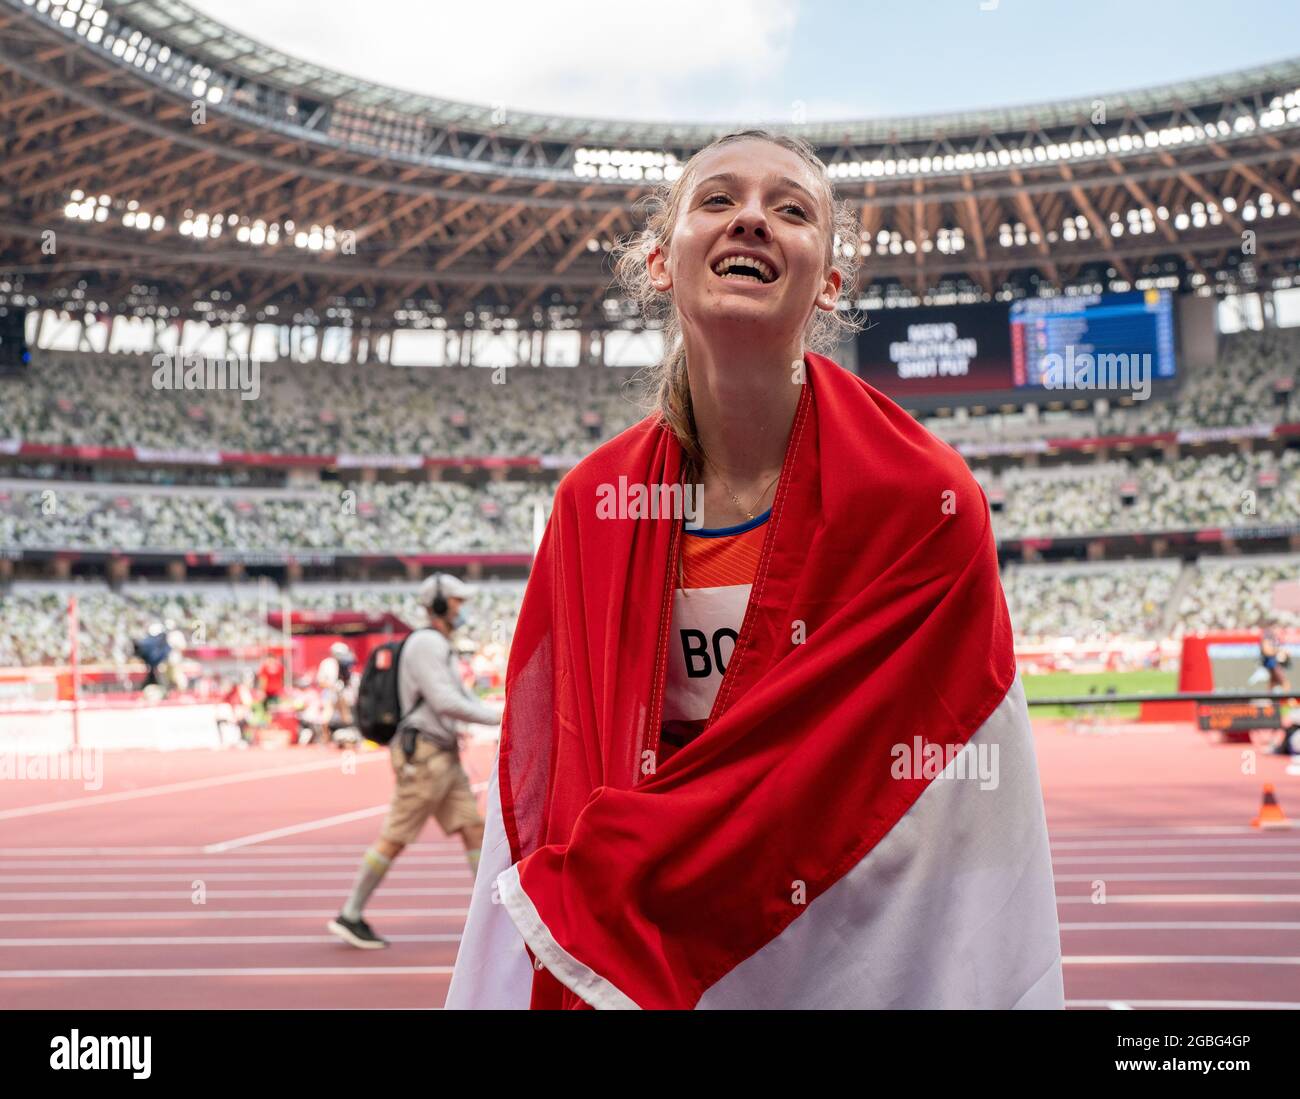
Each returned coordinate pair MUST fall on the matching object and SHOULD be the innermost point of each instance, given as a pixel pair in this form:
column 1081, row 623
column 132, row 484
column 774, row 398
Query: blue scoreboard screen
column 1053, row 340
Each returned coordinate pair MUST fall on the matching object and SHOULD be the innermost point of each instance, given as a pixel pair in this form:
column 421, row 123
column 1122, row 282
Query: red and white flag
column 859, row 825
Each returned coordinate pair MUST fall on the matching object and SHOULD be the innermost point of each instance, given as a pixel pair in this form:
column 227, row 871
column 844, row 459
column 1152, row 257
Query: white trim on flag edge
column 573, row 974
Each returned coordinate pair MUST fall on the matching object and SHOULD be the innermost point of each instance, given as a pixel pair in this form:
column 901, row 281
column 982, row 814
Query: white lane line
column 1203, row 857
column 1274, row 841
column 41, row 852
column 399, row 872
column 261, row 971
column 1189, row 830
column 1231, row 1005
column 194, row 864
column 1179, row 959
column 1183, row 898
column 169, row 788
column 293, row 830
column 213, row 940
column 1217, row 875
column 1257, row 841
column 251, row 914
column 184, row 893
column 1184, row 925
column 280, row 849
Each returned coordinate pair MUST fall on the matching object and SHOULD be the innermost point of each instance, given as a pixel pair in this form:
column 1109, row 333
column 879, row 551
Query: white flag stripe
column 492, row 968
column 953, row 908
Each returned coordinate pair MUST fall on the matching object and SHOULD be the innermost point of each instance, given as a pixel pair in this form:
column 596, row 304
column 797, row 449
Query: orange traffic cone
column 1270, row 812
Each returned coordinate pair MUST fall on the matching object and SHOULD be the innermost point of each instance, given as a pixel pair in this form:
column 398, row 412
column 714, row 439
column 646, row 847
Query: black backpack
column 379, row 707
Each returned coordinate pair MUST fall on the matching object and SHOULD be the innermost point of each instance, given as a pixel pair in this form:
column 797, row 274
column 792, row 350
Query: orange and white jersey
column 718, row 571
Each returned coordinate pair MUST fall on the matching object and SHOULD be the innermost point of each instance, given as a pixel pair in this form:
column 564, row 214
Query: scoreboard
column 1135, row 330
column 1009, row 349
column 956, row 349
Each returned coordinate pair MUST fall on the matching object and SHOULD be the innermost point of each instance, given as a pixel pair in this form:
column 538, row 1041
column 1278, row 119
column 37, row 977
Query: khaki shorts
column 434, row 784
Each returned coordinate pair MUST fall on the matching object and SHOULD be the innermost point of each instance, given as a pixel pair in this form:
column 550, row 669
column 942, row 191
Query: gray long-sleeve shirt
column 428, row 669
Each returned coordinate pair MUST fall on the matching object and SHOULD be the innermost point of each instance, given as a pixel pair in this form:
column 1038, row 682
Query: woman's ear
column 830, row 291
column 657, row 263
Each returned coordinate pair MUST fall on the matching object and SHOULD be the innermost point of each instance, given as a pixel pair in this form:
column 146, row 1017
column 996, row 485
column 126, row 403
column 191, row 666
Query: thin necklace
column 733, row 495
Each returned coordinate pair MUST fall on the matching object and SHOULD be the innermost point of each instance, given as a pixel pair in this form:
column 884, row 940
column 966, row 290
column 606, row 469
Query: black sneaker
column 357, row 932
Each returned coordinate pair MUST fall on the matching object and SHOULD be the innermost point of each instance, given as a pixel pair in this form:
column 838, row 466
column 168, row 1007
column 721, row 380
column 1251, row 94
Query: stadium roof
column 186, row 170
column 224, row 48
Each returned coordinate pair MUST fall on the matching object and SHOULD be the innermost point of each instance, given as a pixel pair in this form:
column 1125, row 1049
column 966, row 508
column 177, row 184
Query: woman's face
column 749, row 243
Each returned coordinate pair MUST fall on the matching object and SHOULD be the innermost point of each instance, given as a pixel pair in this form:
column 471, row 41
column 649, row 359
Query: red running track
column 205, row 879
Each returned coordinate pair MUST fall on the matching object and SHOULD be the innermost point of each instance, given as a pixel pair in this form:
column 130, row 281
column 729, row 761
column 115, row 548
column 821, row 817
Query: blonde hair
column 667, row 388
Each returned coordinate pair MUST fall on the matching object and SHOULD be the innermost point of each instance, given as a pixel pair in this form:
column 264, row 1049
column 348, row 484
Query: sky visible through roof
column 770, row 60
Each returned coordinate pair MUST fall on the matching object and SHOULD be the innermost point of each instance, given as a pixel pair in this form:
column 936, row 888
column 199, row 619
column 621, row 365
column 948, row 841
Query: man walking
column 425, row 753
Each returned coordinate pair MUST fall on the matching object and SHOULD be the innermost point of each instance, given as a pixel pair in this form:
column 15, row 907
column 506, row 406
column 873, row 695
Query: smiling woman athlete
column 728, row 776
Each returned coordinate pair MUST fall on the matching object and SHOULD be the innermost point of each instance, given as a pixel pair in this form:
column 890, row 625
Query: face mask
column 459, row 620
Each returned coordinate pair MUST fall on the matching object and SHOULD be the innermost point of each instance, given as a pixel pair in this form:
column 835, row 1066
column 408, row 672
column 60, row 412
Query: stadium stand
column 1228, row 594
column 1089, row 601
column 83, row 399
column 78, row 399
column 33, row 622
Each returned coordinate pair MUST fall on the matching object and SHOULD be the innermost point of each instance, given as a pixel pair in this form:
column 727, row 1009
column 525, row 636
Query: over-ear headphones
column 439, row 604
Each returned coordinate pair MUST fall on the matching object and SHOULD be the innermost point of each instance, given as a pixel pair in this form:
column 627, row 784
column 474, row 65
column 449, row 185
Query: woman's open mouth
column 742, row 268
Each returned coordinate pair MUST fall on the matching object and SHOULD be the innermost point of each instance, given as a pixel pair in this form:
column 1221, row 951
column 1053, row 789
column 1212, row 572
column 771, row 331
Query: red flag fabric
column 860, row 822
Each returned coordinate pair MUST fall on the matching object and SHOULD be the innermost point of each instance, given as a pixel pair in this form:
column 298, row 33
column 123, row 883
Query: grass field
column 1058, row 684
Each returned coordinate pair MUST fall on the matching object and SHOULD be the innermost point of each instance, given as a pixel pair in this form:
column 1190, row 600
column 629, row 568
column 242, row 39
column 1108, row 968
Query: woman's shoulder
column 878, row 461
column 878, row 430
